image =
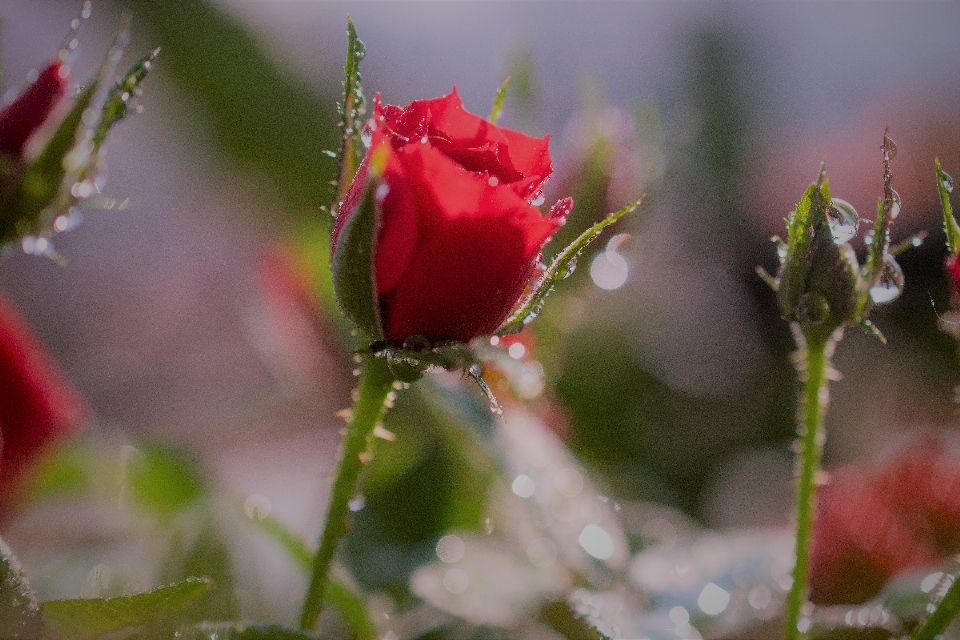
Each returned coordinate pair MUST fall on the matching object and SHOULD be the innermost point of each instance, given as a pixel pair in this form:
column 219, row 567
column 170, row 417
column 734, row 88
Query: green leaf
column 565, row 621
column 809, row 216
column 353, row 262
column 497, row 109
column 876, row 254
column 19, row 614
column 162, row 479
column 559, row 269
column 241, row 631
column 352, row 109
column 943, row 615
column 121, row 96
column 950, row 226
column 81, row 619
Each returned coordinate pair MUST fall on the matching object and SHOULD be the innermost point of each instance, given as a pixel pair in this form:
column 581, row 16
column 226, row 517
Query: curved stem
column 815, row 358
column 376, row 381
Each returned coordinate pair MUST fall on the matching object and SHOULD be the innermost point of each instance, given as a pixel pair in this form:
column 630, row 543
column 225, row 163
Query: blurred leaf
column 162, row 479
column 950, row 226
column 261, row 115
column 561, row 267
column 81, row 619
column 209, row 556
column 19, row 614
column 241, row 631
column 66, row 471
column 497, row 109
column 562, row 619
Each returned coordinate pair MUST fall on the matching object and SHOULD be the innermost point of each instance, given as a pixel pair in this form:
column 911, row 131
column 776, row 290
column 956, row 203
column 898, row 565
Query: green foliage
column 240, row 631
column 162, row 479
column 83, row 619
column 561, row 267
column 121, row 96
column 944, row 614
column 19, row 614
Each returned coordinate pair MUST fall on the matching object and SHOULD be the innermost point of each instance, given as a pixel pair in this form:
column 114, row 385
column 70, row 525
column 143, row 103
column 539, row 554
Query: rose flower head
column 457, row 236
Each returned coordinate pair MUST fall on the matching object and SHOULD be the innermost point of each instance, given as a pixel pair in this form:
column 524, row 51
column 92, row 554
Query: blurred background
column 187, row 319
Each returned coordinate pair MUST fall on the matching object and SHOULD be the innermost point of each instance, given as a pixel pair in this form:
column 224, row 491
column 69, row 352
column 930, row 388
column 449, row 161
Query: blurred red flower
column 37, row 404
column 874, row 523
column 31, row 109
column 458, row 235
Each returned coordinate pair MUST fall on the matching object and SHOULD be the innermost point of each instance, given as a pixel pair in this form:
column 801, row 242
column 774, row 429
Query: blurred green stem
column 946, row 611
column 813, row 363
column 376, row 382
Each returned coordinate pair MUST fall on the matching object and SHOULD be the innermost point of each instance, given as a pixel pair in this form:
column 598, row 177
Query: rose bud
column 37, row 404
column 456, row 237
column 31, row 109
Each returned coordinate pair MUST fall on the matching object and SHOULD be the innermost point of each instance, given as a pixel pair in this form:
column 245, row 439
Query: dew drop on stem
column 946, row 182
column 895, row 205
column 891, row 281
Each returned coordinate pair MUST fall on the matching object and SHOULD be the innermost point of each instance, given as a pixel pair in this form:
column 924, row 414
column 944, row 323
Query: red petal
column 31, row 109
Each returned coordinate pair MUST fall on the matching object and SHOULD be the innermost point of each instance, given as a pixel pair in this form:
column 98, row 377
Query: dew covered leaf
column 352, row 110
column 807, row 218
column 559, row 269
column 950, row 226
column 120, row 97
column 19, row 613
column 81, row 619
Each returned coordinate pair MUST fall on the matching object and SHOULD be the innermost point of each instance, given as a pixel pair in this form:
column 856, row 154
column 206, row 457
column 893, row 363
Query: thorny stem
column 813, row 362
column 376, row 382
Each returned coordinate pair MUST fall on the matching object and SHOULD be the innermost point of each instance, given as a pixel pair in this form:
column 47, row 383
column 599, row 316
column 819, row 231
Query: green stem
column 376, row 382
column 946, row 611
column 814, row 398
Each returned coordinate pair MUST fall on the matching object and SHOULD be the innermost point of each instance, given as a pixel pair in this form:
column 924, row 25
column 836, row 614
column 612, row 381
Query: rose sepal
column 950, row 226
column 36, row 191
column 560, row 269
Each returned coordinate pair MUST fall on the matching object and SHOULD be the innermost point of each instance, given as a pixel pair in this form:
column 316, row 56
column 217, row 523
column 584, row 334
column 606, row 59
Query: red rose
column 874, row 523
column 37, row 404
column 26, row 114
column 457, row 237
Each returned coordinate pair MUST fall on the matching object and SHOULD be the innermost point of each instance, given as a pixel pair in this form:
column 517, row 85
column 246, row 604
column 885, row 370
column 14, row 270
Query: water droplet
column 493, row 181
column 538, row 200
column 609, row 270
column 516, row 350
column 891, row 148
column 456, row 581
column 330, row 154
column 488, row 526
column 382, row 190
column 423, row 140
column 450, row 549
column 895, row 205
column 366, row 134
column 891, row 281
column 596, row 541
column 760, row 597
column 713, row 599
column 946, row 182
column 843, row 220
column 523, row 486
column 567, row 270
column 356, row 503
column 417, row 343
column 494, row 341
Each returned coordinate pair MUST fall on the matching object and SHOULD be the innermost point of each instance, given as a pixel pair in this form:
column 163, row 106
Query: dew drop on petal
column 891, row 281
column 843, row 220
